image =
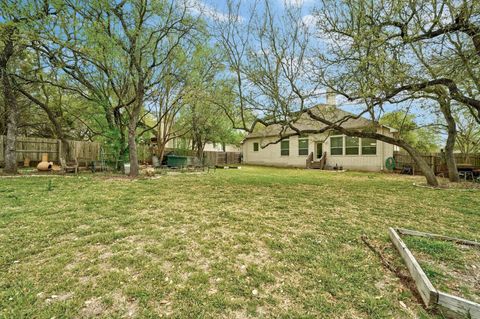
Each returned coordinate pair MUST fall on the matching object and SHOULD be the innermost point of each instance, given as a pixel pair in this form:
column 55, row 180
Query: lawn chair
column 407, row 170
column 69, row 168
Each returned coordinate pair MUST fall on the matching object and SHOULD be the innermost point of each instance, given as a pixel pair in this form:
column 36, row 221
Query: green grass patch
column 451, row 267
column 255, row 242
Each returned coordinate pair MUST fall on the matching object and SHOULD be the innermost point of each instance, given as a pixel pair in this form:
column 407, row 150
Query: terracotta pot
column 44, row 165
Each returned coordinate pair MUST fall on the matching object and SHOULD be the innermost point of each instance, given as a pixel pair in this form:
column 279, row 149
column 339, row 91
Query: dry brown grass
column 256, row 242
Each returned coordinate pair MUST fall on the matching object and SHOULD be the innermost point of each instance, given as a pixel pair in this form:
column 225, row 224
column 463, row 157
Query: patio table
column 466, row 171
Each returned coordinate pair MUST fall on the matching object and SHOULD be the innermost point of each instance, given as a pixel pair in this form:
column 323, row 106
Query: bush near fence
column 435, row 161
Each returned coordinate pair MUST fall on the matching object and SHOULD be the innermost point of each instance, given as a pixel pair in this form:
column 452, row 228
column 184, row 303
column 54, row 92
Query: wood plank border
column 428, row 293
column 455, row 307
column 404, row 231
column 461, row 308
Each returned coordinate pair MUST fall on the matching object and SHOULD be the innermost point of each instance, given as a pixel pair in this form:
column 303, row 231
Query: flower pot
column 44, row 165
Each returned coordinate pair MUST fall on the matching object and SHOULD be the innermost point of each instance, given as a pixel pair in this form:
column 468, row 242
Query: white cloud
column 199, row 7
column 296, row 3
column 310, row 20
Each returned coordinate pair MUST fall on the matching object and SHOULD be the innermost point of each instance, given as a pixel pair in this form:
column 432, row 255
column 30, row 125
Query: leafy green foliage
column 206, row 97
column 424, row 139
column 468, row 133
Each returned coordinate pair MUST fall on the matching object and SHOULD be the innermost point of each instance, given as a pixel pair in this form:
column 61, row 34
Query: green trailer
column 176, row 161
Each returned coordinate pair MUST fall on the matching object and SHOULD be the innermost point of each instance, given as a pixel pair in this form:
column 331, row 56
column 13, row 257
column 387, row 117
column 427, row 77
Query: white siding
column 270, row 155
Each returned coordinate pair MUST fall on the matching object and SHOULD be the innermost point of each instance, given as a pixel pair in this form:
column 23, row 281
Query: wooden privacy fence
column 209, row 157
column 435, row 161
column 216, row 158
column 222, row 158
column 33, row 148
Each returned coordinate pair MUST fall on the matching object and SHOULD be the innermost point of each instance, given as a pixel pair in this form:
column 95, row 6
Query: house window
column 352, row 145
column 369, row 146
column 285, row 147
column 255, row 147
column 336, row 145
column 303, row 146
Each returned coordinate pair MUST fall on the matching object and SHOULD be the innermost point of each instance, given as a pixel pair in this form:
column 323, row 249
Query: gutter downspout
column 383, row 155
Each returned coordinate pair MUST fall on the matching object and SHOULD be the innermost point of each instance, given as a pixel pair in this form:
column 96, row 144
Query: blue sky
column 219, row 8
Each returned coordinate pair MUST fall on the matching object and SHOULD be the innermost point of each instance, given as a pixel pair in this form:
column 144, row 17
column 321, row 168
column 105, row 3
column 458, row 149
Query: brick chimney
column 331, row 97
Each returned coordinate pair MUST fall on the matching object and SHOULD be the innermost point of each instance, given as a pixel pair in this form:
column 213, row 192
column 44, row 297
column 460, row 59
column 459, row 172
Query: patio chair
column 69, row 168
column 466, row 175
column 407, row 170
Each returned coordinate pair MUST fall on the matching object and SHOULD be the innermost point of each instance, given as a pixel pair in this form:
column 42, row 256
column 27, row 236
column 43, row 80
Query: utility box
column 176, row 161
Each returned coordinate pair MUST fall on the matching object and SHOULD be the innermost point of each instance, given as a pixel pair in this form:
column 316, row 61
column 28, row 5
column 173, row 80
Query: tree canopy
column 425, row 139
column 121, row 72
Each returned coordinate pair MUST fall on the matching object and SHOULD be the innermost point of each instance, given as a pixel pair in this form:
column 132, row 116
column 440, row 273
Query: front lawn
column 255, row 242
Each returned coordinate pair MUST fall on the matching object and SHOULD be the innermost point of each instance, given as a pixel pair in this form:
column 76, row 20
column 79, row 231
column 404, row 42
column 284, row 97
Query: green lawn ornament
column 390, row 163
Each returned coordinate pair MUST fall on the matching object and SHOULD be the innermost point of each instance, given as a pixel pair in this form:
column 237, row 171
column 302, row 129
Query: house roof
column 305, row 122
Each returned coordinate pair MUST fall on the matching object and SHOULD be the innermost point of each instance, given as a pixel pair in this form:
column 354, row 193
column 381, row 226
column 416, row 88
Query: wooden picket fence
column 33, row 148
column 434, row 160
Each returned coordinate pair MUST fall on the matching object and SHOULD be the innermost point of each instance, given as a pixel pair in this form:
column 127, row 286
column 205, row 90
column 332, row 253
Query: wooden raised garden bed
column 453, row 306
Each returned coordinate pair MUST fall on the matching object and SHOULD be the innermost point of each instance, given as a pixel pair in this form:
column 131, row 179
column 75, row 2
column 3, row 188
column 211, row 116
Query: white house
column 218, row 147
column 340, row 150
column 182, row 143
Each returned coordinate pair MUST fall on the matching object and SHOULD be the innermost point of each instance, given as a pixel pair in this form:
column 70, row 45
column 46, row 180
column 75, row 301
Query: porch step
column 319, row 164
column 316, row 165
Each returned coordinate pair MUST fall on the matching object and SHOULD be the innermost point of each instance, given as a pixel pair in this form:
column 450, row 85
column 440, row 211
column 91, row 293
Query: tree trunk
column 11, row 140
column 422, row 164
column 132, row 129
column 161, row 146
column 61, row 136
column 3, row 120
column 11, row 106
column 132, row 149
column 450, row 144
column 117, row 115
column 65, row 150
column 200, row 146
column 161, row 140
